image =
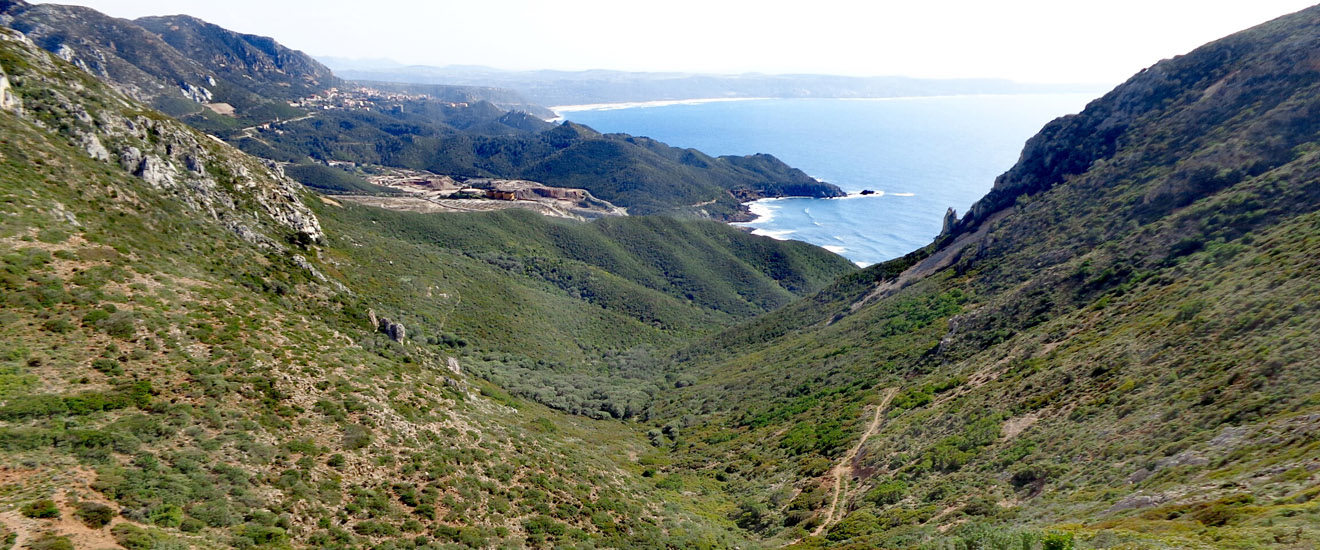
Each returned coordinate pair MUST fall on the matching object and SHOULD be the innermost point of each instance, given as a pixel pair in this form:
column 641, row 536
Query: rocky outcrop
column 247, row 60
column 8, row 101
column 197, row 93
column 950, row 221
column 392, row 329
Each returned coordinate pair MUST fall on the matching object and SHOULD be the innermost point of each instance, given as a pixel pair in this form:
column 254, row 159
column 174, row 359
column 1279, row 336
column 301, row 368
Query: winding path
column 841, row 470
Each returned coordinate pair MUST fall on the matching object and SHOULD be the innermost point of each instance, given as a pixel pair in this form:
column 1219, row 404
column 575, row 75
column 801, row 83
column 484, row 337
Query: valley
column 430, row 321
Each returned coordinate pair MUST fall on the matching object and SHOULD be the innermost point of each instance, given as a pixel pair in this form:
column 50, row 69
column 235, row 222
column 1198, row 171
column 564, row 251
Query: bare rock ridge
column 206, row 175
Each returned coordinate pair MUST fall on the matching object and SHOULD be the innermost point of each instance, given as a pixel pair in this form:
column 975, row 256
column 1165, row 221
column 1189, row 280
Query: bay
column 919, row 155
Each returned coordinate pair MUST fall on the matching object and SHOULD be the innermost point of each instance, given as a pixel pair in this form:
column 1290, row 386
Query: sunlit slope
column 192, row 353
column 1115, row 342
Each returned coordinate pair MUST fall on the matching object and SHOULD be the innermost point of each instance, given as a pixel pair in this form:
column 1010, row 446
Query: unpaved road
column 841, row 471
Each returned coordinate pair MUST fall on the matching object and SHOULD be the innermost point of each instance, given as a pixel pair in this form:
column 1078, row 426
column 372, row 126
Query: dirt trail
column 841, row 471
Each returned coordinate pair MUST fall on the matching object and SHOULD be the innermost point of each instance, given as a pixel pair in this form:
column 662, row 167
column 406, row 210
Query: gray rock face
column 94, row 148
column 392, row 329
column 950, row 221
column 196, row 93
column 157, row 172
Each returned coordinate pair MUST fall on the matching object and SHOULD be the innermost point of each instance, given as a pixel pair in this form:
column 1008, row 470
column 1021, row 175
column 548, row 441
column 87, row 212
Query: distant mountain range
column 603, row 86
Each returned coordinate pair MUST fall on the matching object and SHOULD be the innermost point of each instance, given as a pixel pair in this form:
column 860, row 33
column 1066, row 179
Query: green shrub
column 356, row 437
column 888, row 492
column 1223, row 511
column 132, row 537
column 376, row 529
column 673, row 483
column 857, row 524
column 544, row 525
column 258, row 535
column 41, row 509
column 215, row 513
column 108, row 366
column 119, row 324
column 167, row 515
column 95, row 316
column 51, row 542
column 26, row 406
column 94, row 514
column 1058, row 541
column 58, row 326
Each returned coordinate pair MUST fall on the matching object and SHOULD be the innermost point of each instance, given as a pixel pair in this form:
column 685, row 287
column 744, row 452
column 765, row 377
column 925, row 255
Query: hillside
column 197, row 353
column 1113, row 347
column 641, row 174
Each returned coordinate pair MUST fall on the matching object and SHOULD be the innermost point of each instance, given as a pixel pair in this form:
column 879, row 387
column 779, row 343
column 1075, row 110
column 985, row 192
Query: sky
column 1047, row 41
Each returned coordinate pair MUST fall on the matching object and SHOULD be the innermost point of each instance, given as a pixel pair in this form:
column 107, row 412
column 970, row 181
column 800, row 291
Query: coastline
column 913, row 184
column 559, row 110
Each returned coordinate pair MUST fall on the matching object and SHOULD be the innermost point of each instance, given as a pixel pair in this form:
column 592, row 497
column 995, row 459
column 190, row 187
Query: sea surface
column 919, row 155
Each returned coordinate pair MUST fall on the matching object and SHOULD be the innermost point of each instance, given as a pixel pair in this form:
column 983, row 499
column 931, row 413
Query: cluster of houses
column 360, row 98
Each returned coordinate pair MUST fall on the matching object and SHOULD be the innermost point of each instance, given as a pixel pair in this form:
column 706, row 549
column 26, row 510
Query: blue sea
column 919, row 155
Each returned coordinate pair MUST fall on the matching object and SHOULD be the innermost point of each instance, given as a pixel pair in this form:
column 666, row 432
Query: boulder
column 392, row 329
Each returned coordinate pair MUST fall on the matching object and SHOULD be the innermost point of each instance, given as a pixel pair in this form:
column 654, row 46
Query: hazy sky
column 1027, row 40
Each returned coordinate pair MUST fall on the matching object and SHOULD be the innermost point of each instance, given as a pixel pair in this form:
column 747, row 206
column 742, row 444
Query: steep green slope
column 191, row 347
column 1116, row 343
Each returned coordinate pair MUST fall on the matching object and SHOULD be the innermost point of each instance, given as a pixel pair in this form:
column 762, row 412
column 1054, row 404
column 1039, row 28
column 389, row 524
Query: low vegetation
column 1114, row 352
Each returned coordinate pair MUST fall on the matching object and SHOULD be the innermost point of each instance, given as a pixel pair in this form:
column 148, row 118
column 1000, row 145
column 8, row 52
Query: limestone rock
column 155, row 171
column 94, row 148
column 8, row 100
column 196, row 93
